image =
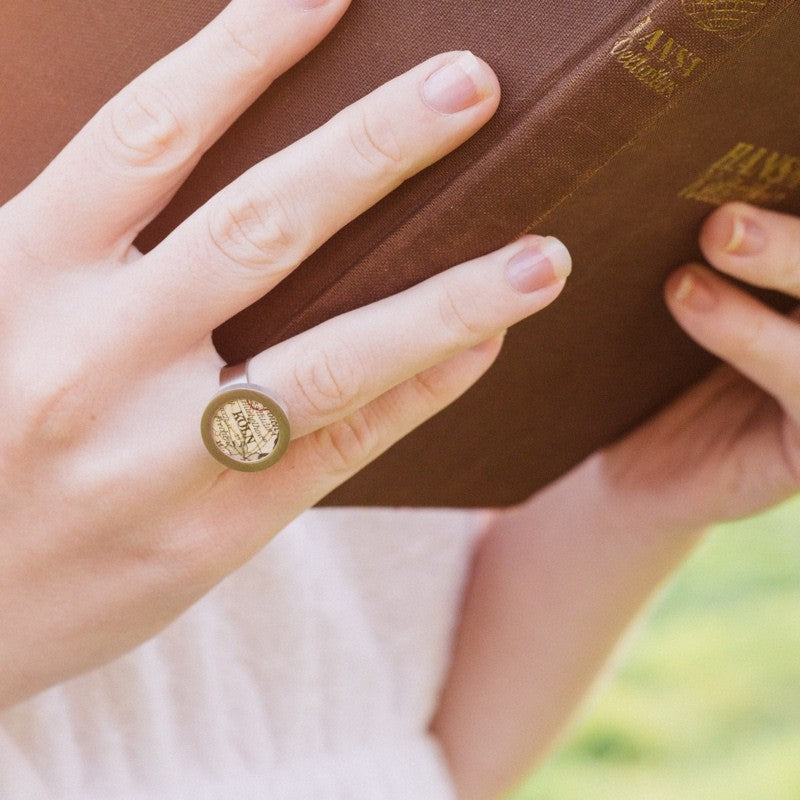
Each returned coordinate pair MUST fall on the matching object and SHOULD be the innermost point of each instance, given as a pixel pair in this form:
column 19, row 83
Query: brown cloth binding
column 622, row 125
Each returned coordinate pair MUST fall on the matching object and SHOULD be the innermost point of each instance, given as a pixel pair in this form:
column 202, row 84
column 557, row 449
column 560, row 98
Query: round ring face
column 245, row 429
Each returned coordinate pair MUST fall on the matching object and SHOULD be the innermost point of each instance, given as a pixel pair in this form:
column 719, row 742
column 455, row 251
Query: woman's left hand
column 731, row 446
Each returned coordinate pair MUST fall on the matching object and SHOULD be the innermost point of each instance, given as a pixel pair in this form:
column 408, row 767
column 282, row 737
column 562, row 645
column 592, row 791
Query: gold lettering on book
column 748, row 173
column 719, row 16
column 655, row 58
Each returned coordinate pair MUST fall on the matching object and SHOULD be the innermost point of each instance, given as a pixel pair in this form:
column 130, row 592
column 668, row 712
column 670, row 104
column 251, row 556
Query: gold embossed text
column 748, row 173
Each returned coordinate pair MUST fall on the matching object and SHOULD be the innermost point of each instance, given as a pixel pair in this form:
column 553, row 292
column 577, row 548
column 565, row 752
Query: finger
column 330, row 371
column 760, row 343
column 756, row 245
column 254, row 232
column 122, row 168
column 316, row 464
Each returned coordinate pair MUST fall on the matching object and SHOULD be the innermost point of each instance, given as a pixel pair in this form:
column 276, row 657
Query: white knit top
column 312, row 672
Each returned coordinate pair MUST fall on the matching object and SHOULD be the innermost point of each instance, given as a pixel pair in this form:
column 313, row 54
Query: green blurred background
column 705, row 702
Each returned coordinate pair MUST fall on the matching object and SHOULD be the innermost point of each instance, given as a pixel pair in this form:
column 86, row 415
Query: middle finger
column 253, row 233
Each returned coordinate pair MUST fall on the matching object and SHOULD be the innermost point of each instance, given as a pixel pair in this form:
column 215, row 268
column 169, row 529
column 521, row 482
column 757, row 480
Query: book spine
column 559, row 140
column 662, row 57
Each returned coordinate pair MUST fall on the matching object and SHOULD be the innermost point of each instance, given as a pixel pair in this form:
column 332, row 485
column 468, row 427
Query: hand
column 731, row 446
column 114, row 517
column 597, row 542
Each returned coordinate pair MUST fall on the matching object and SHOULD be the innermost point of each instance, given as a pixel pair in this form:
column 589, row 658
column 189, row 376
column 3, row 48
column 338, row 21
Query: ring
column 244, row 427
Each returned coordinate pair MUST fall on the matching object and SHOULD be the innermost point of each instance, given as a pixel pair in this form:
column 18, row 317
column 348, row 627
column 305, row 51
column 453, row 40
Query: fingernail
column 695, row 291
column 539, row 265
column 310, row 3
column 746, row 238
column 458, row 85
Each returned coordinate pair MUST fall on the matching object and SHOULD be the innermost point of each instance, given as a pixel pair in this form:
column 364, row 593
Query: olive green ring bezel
column 246, row 391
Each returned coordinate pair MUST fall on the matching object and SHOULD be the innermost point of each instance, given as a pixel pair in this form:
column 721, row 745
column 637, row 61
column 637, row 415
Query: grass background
column 705, row 704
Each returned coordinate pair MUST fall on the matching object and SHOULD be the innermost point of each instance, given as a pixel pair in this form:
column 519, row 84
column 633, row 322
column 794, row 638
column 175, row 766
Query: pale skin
column 557, row 580
column 115, row 519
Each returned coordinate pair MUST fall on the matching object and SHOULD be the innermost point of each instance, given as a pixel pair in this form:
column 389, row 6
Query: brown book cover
column 622, row 125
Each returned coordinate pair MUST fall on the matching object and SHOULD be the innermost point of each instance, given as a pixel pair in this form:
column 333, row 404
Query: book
column 622, row 125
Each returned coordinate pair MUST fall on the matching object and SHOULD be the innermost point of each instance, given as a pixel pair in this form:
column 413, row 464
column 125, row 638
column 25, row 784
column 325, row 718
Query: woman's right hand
column 114, row 517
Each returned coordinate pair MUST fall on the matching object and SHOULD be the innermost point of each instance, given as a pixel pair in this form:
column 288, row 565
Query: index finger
column 756, row 245
column 134, row 153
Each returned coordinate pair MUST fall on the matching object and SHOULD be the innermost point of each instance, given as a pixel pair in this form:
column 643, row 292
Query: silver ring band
column 233, row 374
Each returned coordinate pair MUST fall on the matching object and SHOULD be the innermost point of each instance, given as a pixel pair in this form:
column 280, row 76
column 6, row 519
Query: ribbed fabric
column 312, row 672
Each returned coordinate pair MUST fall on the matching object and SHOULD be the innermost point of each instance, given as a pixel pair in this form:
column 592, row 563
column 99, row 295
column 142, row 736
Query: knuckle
column 456, row 310
column 328, row 382
column 254, row 233
column 20, row 244
column 57, row 413
column 142, row 130
column 375, row 143
column 432, row 387
column 347, row 445
column 242, row 46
